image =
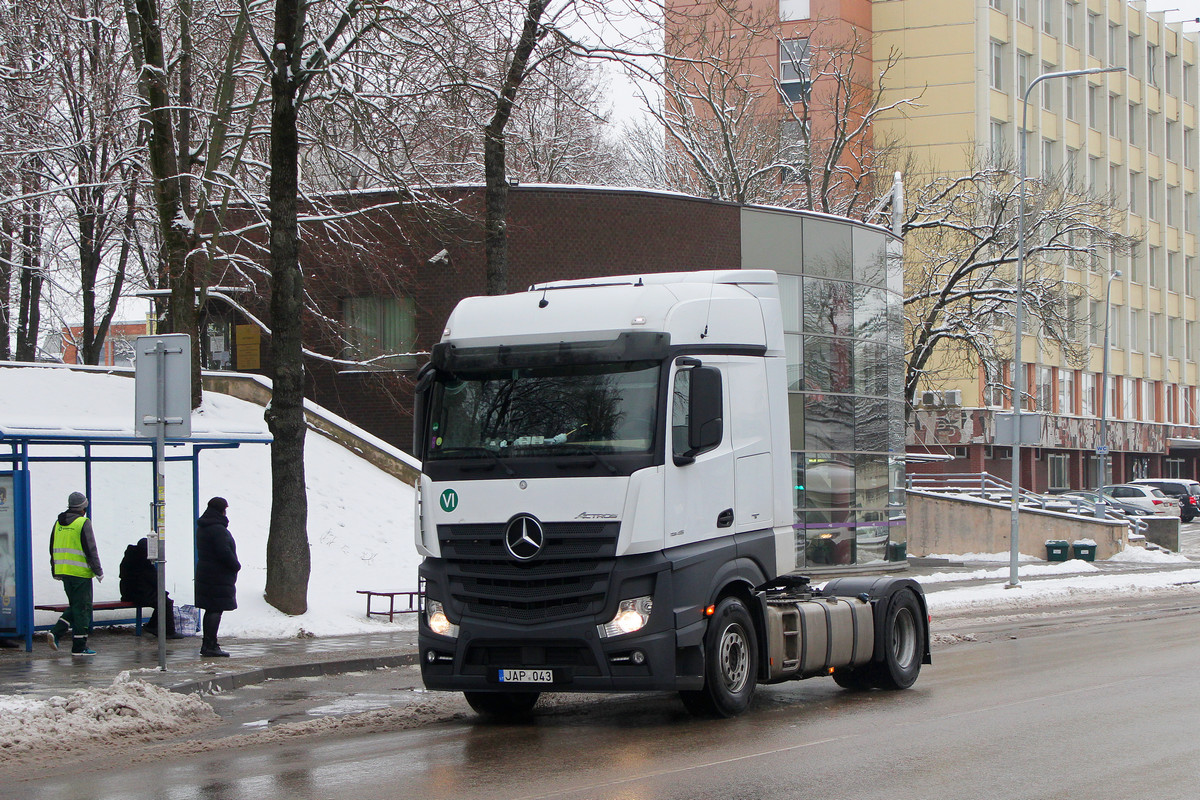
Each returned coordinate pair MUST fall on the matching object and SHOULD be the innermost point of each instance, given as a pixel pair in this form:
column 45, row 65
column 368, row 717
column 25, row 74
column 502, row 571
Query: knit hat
column 218, row 504
column 76, row 500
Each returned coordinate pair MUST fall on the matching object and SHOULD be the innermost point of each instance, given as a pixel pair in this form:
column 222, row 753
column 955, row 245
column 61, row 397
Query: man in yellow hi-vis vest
column 74, row 560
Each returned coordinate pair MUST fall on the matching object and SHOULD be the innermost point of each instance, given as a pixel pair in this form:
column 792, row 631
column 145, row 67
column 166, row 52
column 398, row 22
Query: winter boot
column 210, row 649
column 79, row 647
column 56, row 633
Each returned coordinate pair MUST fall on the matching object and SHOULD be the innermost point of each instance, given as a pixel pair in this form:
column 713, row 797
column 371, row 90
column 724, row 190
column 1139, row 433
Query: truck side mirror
column 706, row 425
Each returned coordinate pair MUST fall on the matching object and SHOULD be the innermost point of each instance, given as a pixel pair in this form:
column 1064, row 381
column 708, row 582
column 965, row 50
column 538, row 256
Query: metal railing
column 986, row 486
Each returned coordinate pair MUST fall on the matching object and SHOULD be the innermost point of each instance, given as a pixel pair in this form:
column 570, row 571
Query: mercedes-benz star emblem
column 524, row 537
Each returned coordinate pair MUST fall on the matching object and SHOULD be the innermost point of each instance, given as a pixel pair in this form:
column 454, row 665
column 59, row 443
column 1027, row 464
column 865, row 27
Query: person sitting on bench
column 139, row 584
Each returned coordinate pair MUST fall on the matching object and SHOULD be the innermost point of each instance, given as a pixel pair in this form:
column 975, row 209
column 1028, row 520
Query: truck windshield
column 592, row 409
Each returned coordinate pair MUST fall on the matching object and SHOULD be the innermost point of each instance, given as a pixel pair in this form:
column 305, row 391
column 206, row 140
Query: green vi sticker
column 449, row 500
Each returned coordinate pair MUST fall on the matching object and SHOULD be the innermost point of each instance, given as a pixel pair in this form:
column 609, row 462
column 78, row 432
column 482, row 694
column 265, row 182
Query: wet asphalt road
column 1108, row 707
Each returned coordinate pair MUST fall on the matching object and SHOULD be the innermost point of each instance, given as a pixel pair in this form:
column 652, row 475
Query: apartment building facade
column 1130, row 135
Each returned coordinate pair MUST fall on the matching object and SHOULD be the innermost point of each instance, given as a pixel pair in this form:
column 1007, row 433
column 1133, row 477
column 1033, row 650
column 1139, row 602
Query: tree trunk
column 495, row 180
column 6, row 256
column 288, row 556
column 30, row 313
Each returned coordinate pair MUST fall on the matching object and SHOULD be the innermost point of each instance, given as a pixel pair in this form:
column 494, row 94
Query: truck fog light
column 632, row 615
column 638, row 657
column 438, row 622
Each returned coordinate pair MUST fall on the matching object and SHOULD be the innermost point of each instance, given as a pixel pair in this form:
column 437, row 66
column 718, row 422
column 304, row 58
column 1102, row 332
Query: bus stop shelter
column 31, row 434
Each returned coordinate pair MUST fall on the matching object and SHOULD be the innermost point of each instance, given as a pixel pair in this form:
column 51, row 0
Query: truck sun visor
column 627, row 346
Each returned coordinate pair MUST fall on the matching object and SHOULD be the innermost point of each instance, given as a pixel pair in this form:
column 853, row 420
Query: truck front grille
column 566, row 579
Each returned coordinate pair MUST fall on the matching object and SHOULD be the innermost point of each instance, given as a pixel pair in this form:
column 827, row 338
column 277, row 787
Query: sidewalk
column 45, row 672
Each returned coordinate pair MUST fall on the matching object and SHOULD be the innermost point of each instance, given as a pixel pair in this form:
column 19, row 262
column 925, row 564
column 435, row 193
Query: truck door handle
column 725, row 518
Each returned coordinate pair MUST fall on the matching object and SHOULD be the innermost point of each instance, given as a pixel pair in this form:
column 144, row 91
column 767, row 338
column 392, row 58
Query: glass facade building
column 841, row 288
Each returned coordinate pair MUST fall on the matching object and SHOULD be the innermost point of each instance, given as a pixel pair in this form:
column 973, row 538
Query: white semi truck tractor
column 606, row 504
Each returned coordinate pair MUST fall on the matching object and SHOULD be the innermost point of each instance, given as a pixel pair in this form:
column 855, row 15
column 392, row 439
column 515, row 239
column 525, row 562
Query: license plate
column 527, row 676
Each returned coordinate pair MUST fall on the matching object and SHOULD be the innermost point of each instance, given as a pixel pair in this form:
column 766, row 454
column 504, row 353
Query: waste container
column 1057, row 550
column 1084, row 550
column 897, row 551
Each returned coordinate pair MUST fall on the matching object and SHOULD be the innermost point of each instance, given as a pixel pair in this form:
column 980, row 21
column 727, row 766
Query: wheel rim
column 735, row 666
column 904, row 638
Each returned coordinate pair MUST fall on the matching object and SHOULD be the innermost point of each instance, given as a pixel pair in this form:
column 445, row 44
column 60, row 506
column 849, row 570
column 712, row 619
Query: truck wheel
column 730, row 663
column 503, row 705
column 903, row 641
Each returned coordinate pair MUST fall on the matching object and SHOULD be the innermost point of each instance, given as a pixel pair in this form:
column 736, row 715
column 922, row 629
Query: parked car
column 1149, row 497
column 1186, row 491
column 1128, row 509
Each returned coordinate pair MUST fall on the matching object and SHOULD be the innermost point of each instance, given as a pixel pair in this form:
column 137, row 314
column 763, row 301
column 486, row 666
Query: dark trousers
column 209, row 625
column 152, row 623
column 78, row 617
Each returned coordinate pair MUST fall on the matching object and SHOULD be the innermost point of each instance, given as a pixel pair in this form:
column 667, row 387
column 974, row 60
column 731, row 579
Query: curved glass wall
column 843, row 322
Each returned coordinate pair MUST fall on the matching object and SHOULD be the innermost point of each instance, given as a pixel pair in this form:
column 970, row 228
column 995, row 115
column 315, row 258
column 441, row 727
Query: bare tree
column 804, row 139
column 961, row 254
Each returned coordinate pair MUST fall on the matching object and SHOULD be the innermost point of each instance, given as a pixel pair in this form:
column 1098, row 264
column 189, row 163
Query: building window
column 1094, row 174
column 1093, row 110
column 1113, row 55
column 1189, row 211
column 1173, row 277
column 1069, row 98
column 1128, row 399
column 1175, row 337
column 1154, row 342
column 1135, row 124
column 1087, row 397
column 996, row 51
column 1172, row 134
column 1189, row 339
column 1189, row 276
column 1169, row 66
column 794, row 69
column 1048, row 14
column 1022, row 11
column 1114, row 117
column 1047, row 159
column 793, row 10
column 997, row 4
column 1173, row 206
column 1093, row 34
column 1135, row 190
column 1152, row 198
column 1045, row 389
column 1189, row 80
column 1135, row 330
column 1152, row 64
column 1154, row 264
column 999, row 142
column 1070, row 22
column 1096, row 314
column 1066, row 391
column 1152, row 124
column 1134, row 65
column 380, row 331
column 1023, row 67
column 1048, row 88
column 1058, row 464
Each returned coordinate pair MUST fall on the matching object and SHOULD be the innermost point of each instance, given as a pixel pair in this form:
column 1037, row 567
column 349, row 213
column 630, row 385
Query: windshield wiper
column 496, row 459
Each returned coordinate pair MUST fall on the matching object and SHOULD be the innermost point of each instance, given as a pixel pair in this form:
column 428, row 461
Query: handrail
column 994, row 488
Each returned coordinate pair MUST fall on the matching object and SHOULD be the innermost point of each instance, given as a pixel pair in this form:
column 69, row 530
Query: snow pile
column 1140, row 555
column 996, row 596
column 128, row 710
column 962, row 558
column 1071, row 567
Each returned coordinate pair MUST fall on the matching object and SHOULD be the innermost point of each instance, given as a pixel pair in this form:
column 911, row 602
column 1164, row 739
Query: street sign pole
column 162, row 404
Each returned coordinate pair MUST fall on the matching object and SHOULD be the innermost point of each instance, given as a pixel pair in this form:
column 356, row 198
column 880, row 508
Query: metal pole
column 1102, row 478
column 1018, row 372
column 160, row 472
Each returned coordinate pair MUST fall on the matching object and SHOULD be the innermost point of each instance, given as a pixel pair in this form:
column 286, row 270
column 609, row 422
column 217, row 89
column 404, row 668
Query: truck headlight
column 632, row 615
column 438, row 622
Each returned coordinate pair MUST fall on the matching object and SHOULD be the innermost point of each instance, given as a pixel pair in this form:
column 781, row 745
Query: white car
column 1147, row 497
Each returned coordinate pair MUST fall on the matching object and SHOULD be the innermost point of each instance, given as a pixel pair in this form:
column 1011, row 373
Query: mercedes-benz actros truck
column 605, row 504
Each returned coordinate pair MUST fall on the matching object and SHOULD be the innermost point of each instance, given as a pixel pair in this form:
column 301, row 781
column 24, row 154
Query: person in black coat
column 139, row 584
column 217, row 567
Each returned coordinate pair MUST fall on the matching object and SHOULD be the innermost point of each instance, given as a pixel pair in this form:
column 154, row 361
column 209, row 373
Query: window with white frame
column 1114, row 116
column 1189, row 82
column 1153, row 264
column 1135, row 330
column 1135, row 192
column 1152, row 64
column 1173, row 206
column 1070, row 23
column 1133, row 62
column 1175, row 337
column 1189, row 276
column 996, row 59
column 1069, row 101
column 1128, row 399
column 999, row 143
column 793, row 10
column 1094, row 174
column 794, row 69
column 1152, row 123
column 1072, row 165
column 1096, row 315
column 1093, row 34
column 1154, row 343
column 1113, row 38
column 1087, row 395
column 1093, row 109
column 1172, row 147
column 994, row 390
column 1066, row 391
column 1189, row 212
column 1174, row 283
column 1048, row 87
column 1147, row 410
column 1024, row 64
column 1152, row 187
column 1058, row 467
column 1022, row 10
column 1170, row 64
column 1189, row 341
column 1189, row 147
column 1045, row 389
column 1047, row 159
column 1049, row 12
column 1135, row 124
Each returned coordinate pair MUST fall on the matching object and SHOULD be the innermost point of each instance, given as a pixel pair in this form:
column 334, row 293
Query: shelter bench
column 414, row 603
column 101, row 605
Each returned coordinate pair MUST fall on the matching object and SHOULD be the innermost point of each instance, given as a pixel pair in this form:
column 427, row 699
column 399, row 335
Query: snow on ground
column 129, row 711
column 1072, row 567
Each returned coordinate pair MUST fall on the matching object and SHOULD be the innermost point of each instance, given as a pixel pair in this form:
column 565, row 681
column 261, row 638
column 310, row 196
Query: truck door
column 700, row 465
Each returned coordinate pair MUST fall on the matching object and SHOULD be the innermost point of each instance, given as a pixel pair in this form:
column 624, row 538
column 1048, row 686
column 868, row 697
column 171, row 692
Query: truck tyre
column 856, row 680
column 903, row 642
column 730, row 663
column 502, row 705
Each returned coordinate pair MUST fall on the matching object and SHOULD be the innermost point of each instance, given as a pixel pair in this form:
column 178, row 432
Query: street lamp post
column 1018, row 313
column 1102, row 448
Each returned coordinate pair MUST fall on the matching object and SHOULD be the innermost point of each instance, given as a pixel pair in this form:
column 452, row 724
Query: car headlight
column 438, row 622
column 632, row 615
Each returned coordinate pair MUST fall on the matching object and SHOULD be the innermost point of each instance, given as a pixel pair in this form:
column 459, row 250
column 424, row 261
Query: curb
column 236, row 680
